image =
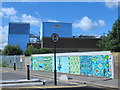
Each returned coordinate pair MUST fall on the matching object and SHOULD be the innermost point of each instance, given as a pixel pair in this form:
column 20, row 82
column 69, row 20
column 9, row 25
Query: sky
column 87, row 18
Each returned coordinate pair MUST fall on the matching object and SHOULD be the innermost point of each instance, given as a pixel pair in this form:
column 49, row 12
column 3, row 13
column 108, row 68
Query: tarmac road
column 73, row 83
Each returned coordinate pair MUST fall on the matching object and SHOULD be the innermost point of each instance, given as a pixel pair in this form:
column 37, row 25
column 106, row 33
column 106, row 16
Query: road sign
column 55, row 37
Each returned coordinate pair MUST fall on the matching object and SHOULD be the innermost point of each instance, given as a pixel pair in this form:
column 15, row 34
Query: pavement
column 48, row 77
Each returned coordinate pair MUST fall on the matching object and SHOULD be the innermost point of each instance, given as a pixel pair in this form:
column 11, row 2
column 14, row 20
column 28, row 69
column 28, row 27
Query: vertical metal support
column 28, row 73
column 14, row 66
column 55, row 71
column 55, row 39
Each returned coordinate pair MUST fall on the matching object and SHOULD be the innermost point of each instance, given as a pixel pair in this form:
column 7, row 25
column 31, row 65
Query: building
column 62, row 29
column 19, row 34
column 72, row 44
column 67, row 42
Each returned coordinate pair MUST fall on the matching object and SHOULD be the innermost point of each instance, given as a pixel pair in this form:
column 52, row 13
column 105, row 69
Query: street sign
column 55, row 37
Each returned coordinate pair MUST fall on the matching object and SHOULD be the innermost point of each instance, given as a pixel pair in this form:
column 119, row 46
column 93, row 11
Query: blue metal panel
column 18, row 39
column 19, row 28
column 62, row 29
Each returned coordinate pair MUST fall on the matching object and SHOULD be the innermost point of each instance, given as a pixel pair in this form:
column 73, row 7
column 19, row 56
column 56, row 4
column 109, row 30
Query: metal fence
column 10, row 60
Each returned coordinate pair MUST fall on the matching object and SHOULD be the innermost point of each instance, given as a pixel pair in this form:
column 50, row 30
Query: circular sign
column 55, row 37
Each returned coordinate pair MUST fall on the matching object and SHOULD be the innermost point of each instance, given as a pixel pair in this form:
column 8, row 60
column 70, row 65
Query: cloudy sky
column 87, row 18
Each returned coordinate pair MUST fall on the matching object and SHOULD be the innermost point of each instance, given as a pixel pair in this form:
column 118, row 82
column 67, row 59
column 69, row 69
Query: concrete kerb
column 20, row 84
column 45, row 87
column 97, row 84
column 19, row 81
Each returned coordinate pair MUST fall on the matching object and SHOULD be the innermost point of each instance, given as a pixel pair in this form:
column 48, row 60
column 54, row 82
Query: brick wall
column 116, row 60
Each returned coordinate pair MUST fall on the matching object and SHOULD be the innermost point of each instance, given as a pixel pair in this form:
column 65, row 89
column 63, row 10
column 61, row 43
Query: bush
column 4, row 64
column 32, row 50
column 44, row 50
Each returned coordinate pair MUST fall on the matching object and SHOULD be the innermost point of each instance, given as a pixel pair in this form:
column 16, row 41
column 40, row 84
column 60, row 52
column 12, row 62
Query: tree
column 112, row 40
column 30, row 50
column 12, row 50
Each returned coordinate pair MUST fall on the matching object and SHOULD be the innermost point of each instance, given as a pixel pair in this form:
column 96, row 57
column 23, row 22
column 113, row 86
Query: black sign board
column 55, row 37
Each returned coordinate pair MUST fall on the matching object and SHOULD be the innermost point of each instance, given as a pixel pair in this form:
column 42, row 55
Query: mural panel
column 48, row 63
column 37, row 63
column 62, row 64
column 74, row 64
column 40, row 63
column 101, row 66
column 98, row 65
column 86, row 65
column 34, row 63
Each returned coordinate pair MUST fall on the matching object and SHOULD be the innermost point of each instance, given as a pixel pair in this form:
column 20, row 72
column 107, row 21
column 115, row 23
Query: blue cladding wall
column 62, row 29
column 18, row 39
column 19, row 34
column 19, row 28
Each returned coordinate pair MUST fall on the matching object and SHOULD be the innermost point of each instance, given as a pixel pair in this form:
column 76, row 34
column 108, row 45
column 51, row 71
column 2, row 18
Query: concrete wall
column 116, row 60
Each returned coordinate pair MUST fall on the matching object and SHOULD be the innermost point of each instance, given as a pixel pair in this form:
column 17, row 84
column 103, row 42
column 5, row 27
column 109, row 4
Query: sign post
column 55, row 39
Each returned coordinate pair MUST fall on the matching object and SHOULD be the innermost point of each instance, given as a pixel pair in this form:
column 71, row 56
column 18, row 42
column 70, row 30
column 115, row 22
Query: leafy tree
column 30, row 50
column 112, row 40
column 12, row 50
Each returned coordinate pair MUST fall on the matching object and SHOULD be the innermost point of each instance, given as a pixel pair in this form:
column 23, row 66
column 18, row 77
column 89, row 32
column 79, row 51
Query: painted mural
column 74, row 64
column 101, row 66
column 86, row 65
column 92, row 65
column 48, row 63
column 62, row 64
